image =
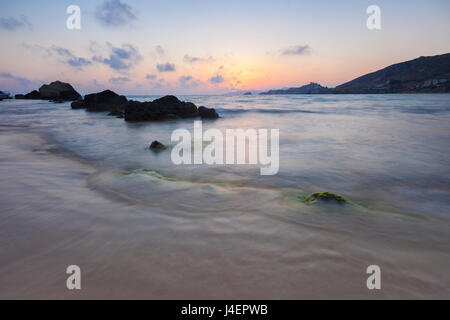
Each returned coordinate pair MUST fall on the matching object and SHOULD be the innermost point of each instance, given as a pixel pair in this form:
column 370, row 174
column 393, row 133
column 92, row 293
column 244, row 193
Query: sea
column 82, row 188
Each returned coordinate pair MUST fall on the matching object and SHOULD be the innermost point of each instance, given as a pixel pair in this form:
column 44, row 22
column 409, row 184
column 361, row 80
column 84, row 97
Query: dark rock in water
column 206, row 113
column 78, row 104
column 165, row 108
column 58, row 91
column 168, row 107
column 157, row 146
column 117, row 113
column 247, row 94
column 19, row 96
column 33, row 95
column 103, row 101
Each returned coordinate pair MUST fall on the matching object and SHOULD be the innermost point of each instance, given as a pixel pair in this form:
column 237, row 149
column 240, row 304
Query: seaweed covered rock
column 324, row 197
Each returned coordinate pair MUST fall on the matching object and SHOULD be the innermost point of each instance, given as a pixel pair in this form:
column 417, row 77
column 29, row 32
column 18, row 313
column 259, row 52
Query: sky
column 211, row 46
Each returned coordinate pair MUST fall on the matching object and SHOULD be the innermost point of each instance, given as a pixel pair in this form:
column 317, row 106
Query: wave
column 275, row 111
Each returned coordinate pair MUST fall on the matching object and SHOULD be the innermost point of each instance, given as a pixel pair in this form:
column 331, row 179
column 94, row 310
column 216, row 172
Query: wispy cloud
column 216, row 79
column 160, row 51
column 151, row 77
column 120, row 58
column 165, row 67
column 70, row 59
column 114, row 13
column 22, row 81
column 191, row 59
column 13, row 23
column 188, row 81
column 299, row 50
column 119, row 80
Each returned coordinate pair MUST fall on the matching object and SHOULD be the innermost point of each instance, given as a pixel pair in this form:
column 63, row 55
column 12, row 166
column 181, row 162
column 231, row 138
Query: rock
column 168, row 107
column 206, row 113
column 117, row 113
column 33, row 95
column 104, row 101
column 78, row 104
column 157, row 146
column 58, row 91
column 327, row 197
column 165, row 108
column 19, row 96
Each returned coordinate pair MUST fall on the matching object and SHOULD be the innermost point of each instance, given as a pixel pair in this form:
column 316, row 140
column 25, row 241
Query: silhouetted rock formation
column 312, row 88
column 165, row 108
column 102, row 101
column 56, row 91
column 421, row 75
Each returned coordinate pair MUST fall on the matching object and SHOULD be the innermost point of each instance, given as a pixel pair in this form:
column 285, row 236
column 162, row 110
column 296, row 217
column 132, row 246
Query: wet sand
column 53, row 216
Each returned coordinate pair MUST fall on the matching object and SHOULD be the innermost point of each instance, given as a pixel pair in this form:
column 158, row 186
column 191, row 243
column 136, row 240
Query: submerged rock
column 329, row 197
column 157, row 146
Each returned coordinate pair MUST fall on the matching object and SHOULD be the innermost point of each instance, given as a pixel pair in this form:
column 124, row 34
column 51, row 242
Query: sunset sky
column 210, row 46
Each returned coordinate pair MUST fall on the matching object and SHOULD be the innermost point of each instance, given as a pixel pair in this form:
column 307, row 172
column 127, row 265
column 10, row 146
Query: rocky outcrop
column 207, row 113
column 312, row 88
column 19, row 96
column 421, row 75
column 56, row 91
column 165, row 108
column 103, row 101
column 33, row 95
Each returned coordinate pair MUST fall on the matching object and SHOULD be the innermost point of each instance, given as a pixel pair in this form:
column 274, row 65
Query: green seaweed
column 327, row 197
column 156, row 173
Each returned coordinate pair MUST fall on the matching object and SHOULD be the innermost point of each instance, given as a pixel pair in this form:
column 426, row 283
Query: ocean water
column 82, row 188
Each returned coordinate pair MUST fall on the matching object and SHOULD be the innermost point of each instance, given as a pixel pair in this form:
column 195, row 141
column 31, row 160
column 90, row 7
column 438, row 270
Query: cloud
column 160, row 51
column 114, row 13
column 191, row 59
column 188, row 81
column 70, row 59
column 150, row 77
column 119, row 80
column 22, row 81
column 216, row 79
column 12, row 23
column 297, row 50
column 165, row 67
column 120, row 58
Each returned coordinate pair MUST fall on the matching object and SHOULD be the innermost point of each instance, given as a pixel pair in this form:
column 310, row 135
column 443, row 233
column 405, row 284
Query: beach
column 82, row 188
